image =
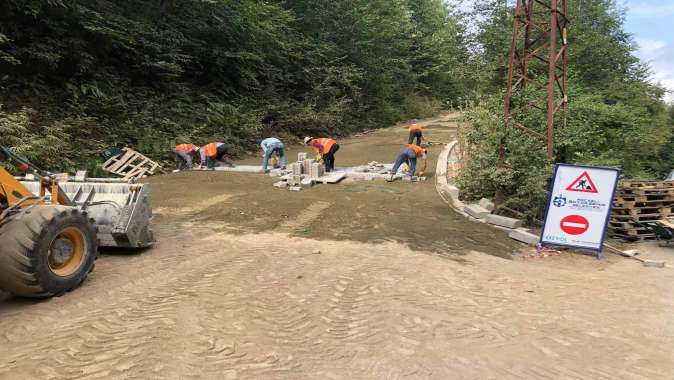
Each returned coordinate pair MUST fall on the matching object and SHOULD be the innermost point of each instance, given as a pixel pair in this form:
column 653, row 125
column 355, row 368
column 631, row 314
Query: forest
column 78, row 76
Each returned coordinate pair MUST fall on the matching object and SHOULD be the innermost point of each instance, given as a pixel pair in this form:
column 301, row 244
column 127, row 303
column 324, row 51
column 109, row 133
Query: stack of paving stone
column 303, row 173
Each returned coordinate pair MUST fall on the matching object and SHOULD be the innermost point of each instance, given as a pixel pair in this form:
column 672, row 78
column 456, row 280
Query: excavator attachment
column 121, row 212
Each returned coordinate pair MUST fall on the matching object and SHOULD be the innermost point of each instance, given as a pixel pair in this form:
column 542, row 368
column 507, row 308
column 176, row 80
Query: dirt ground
column 402, row 288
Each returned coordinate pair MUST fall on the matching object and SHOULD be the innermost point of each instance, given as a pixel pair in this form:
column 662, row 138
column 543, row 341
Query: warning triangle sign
column 583, row 184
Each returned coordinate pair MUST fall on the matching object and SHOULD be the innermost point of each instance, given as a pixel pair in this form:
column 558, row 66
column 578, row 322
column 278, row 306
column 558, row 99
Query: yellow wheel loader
column 50, row 231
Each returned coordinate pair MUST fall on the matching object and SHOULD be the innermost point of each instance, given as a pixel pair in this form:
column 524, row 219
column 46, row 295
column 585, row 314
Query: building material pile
column 640, row 201
column 304, row 173
column 131, row 165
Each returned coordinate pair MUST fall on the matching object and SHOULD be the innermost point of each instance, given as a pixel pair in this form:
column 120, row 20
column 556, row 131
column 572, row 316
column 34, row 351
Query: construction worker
column 415, row 132
column 270, row 146
column 325, row 149
column 185, row 155
column 213, row 152
column 410, row 155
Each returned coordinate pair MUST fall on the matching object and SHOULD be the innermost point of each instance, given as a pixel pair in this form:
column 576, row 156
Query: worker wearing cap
column 325, row 149
column 185, row 155
column 213, row 152
column 415, row 132
column 270, row 146
column 410, row 155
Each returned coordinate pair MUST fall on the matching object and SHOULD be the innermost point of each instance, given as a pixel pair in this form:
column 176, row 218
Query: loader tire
column 46, row 251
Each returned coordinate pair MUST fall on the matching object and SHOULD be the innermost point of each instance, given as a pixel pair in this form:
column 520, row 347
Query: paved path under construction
column 234, row 290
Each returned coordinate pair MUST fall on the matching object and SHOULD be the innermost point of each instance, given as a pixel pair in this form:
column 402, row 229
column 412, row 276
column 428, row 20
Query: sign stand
column 579, row 206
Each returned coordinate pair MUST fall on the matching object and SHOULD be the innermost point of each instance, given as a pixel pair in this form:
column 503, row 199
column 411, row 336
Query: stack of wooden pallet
column 131, row 165
column 640, row 201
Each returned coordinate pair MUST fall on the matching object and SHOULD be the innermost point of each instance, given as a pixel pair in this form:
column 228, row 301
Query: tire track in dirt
column 196, row 209
column 122, row 335
column 305, row 217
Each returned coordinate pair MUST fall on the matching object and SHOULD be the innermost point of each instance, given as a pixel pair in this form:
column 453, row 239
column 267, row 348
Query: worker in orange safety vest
column 410, row 154
column 415, row 132
column 185, row 155
column 325, row 148
column 214, row 152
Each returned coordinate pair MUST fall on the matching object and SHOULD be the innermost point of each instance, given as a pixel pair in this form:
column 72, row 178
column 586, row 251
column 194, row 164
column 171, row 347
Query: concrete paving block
column 307, row 182
column 453, row 191
column 407, row 178
column 487, row 204
column 275, row 173
column 81, row 175
column 281, row 184
column 476, row 211
column 654, row 263
column 295, row 188
column 296, row 168
column 503, row 221
column 524, row 236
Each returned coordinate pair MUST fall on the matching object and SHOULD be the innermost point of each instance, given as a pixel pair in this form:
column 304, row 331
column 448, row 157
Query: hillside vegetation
column 78, row 76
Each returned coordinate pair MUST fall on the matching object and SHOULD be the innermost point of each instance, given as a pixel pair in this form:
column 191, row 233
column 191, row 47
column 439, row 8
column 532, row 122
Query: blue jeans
column 222, row 150
column 270, row 152
column 413, row 135
column 183, row 160
column 407, row 155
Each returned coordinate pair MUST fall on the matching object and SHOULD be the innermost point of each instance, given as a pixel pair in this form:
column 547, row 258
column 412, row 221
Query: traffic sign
column 583, row 184
column 574, row 224
column 579, row 205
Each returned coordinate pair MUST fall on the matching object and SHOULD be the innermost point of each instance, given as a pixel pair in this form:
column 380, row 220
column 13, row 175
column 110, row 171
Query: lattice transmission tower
column 537, row 74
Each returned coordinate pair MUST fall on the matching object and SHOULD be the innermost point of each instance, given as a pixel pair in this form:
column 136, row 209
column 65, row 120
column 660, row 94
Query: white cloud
column 660, row 56
column 647, row 10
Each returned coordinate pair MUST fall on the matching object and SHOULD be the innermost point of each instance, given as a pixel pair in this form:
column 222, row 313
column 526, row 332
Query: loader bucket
column 121, row 211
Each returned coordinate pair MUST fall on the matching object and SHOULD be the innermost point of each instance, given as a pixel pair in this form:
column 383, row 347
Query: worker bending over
column 410, row 155
column 214, row 152
column 415, row 132
column 185, row 155
column 325, row 149
column 270, row 146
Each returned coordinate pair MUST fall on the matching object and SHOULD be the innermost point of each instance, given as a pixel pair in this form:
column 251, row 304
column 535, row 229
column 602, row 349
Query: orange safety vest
column 414, row 127
column 326, row 143
column 210, row 150
column 185, row 148
column 419, row 151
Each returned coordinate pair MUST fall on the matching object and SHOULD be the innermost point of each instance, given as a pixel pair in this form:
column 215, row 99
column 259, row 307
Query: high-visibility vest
column 186, row 148
column 414, row 128
column 210, row 150
column 419, row 151
column 326, row 143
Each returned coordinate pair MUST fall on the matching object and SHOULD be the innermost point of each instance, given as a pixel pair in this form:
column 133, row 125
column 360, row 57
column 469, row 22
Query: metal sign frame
column 608, row 214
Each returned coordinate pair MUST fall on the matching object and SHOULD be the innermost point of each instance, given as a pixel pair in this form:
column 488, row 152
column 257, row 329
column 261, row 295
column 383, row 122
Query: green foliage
column 149, row 72
column 43, row 144
column 615, row 117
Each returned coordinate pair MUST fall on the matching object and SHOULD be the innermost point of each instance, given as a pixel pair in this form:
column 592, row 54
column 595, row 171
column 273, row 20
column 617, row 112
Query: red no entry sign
column 574, row 224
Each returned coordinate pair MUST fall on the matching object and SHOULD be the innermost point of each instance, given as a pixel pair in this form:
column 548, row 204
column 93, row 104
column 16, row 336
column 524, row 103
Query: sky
column 651, row 22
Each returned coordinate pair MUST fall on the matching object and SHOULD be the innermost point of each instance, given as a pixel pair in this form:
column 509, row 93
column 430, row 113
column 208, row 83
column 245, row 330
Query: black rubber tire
column 24, row 245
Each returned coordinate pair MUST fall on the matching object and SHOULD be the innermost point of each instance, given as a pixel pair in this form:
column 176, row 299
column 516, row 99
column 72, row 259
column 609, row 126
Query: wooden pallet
column 658, row 203
column 131, row 165
column 630, row 231
column 640, row 201
column 648, row 184
column 638, row 218
column 644, row 237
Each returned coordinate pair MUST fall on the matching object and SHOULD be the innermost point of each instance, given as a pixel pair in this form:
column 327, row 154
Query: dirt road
column 402, row 288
